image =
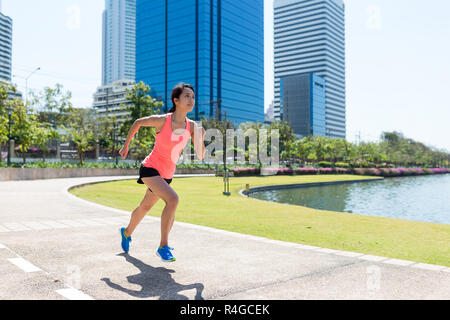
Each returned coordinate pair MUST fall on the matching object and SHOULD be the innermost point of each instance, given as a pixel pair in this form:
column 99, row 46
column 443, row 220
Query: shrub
column 306, row 171
column 324, row 164
column 385, row 172
column 245, row 171
column 373, row 172
column 285, row 171
column 341, row 165
column 327, row 170
column 343, row 170
column 359, row 171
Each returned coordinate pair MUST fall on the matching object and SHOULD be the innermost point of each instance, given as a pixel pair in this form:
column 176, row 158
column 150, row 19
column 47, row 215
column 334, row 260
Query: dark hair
column 177, row 91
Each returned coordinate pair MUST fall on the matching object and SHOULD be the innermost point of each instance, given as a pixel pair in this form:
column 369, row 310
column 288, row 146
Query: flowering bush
column 397, row 172
column 326, row 170
column 384, row 172
column 373, row 172
column 245, row 171
column 343, row 170
column 359, row 171
column 284, row 171
column 438, row 170
column 306, row 171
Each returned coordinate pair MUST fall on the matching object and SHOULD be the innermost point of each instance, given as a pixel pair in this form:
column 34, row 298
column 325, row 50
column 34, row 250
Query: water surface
column 418, row 198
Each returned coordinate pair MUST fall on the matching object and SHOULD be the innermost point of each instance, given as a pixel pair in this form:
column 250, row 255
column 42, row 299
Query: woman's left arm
column 197, row 136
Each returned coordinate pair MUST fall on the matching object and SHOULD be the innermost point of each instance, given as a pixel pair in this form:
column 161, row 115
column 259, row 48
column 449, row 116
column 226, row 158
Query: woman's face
column 187, row 99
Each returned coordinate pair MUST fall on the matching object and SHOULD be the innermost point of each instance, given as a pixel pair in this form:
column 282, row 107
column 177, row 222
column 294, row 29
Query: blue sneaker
column 125, row 241
column 165, row 254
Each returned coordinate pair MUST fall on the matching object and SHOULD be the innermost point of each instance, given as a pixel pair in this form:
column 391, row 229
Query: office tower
column 303, row 102
column 215, row 45
column 5, row 47
column 268, row 116
column 119, row 41
column 112, row 100
column 309, row 37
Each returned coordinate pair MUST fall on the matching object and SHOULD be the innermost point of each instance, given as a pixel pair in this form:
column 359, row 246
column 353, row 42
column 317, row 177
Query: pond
column 418, row 198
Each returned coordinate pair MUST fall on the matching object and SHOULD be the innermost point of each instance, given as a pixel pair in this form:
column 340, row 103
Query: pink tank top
column 168, row 148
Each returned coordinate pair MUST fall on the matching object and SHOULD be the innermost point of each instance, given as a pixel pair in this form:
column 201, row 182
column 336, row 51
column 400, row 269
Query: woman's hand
column 199, row 131
column 199, row 135
column 124, row 151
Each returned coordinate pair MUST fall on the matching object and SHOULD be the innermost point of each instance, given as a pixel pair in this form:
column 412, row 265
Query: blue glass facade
column 317, row 106
column 303, row 100
column 215, row 45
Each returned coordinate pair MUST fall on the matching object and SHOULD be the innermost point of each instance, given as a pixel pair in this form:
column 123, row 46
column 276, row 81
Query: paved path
column 56, row 246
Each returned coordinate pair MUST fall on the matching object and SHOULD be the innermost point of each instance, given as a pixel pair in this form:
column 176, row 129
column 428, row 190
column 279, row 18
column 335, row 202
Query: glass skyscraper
column 119, row 41
column 309, row 37
column 5, row 46
column 215, row 45
column 303, row 101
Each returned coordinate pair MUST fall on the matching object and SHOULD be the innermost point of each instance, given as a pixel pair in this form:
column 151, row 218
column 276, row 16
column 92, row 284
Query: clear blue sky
column 396, row 60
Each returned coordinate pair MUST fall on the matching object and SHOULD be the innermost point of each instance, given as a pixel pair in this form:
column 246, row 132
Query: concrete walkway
column 56, row 246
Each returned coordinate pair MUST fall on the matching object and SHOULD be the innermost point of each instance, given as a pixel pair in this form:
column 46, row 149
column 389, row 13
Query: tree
column 286, row 137
column 23, row 127
column 142, row 105
column 5, row 105
column 81, row 131
column 53, row 106
column 42, row 136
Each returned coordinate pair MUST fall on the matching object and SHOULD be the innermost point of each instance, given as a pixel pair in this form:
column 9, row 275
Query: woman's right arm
column 150, row 121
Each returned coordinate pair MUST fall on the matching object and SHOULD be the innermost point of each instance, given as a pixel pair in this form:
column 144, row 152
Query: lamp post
column 115, row 140
column 9, row 137
column 26, row 83
column 218, row 116
column 226, row 183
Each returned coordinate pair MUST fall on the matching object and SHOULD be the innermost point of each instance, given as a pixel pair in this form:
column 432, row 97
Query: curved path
column 56, row 246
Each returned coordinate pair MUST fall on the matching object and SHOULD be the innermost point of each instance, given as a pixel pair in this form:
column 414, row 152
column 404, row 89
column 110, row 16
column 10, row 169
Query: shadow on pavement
column 155, row 282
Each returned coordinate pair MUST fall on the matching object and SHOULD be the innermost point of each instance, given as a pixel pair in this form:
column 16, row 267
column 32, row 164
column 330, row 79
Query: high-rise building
column 303, row 102
column 309, row 37
column 119, row 41
column 268, row 116
column 215, row 45
column 5, row 46
column 112, row 100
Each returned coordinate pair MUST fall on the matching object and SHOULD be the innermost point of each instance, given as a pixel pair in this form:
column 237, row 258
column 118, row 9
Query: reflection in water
column 419, row 198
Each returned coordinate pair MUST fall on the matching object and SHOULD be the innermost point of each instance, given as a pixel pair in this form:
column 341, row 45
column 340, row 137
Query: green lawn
column 202, row 203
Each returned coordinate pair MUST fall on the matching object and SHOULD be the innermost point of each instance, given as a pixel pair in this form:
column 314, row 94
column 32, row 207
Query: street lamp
column 115, row 140
column 26, row 83
column 9, row 137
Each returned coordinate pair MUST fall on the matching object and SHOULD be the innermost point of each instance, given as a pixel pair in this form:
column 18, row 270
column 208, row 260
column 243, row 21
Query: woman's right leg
column 139, row 213
column 162, row 189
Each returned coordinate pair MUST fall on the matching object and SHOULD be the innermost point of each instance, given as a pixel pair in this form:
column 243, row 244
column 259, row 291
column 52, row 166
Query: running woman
column 157, row 169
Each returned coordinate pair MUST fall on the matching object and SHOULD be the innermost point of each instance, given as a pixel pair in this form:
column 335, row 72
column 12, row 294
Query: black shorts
column 149, row 172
